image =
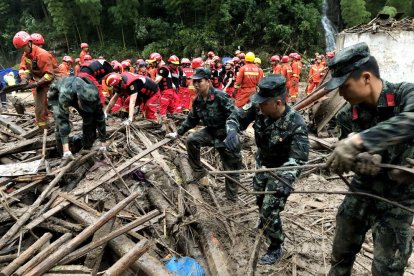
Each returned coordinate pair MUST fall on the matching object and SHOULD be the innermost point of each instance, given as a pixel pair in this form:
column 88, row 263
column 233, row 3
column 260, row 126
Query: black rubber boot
column 273, row 254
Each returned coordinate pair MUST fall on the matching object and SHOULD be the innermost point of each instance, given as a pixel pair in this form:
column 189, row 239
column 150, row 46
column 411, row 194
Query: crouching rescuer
column 82, row 95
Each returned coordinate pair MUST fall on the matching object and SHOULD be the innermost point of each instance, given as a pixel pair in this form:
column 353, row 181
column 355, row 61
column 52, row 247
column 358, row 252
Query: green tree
column 354, row 12
column 124, row 13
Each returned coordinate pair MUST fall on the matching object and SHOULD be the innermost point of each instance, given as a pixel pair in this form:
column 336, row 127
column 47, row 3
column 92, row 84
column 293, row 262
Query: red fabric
column 82, row 55
column 151, row 107
column 168, row 101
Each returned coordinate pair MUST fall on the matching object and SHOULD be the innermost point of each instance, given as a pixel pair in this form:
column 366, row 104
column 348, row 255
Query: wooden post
column 43, row 254
column 71, row 245
column 117, row 232
column 8, row 270
column 123, row 264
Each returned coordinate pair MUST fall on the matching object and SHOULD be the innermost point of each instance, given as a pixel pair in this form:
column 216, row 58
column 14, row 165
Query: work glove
column 172, row 135
column 102, row 150
column 127, row 122
column 232, row 141
column 367, row 164
column 342, row 159
column 402, row 177
column 66, row 158
column 106, row 115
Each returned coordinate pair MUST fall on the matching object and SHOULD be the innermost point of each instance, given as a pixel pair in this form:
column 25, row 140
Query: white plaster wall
column 394, row 52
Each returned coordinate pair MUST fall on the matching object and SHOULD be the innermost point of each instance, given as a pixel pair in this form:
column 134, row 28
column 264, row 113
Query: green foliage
column 389, row 10
column 354, row 12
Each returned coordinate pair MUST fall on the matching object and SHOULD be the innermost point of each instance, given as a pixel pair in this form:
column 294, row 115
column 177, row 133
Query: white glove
column 67, row 157
column 172, row 135
column 127, row 122
column 68, row 154
column 106, row 115
column 102, row 150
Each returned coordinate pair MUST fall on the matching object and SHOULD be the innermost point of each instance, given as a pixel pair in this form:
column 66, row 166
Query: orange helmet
column 275, row 58
column 185, row 61
column 197, row 62
column 139, row 61
column 20, row 39
column 174, row 60
column 298, row 57
column 67, row 59
column 84, row 45
column 285, row 59
column 154, row 57
column 113, row 79
column 37, row 39
column 210, row 54
column 87, row 57
column 216, row 58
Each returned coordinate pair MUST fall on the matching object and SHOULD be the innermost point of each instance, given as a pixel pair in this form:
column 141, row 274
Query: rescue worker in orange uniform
column 276, row 67
column 134, row 91
column 215, row 68
column 84, row 51
column 117, row 66
column 76, row 67
column 39, row 70
column 294, row 83
column 286, row 71
column 258, row 62
column 96, row 70
column 316, row 74
column 246, row 81
column 142, row 69
column 210, row 56
column 185, row 83
column 65, row 66
column 166, row 83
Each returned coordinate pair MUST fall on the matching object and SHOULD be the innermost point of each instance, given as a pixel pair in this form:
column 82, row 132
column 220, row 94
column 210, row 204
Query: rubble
column 77, row 220
column 383, row 23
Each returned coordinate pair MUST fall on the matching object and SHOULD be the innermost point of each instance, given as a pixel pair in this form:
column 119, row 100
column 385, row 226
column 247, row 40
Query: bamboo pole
column 8, row 270
column 43, row 254
column 71, row 245
column 120, row 231
column 123, row 264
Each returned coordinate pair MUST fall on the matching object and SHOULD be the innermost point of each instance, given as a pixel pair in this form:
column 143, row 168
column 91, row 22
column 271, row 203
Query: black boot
column 273, row 254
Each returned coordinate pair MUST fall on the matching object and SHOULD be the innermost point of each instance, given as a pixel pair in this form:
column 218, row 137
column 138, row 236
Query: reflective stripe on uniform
column 251, row 73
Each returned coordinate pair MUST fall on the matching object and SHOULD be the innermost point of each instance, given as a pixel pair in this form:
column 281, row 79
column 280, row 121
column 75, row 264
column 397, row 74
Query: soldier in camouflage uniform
column 378, row 126
column 83, row 95
column 282, row 140
column 212, row 107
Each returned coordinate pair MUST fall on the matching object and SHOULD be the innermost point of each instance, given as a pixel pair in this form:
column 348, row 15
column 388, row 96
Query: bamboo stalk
column 8, row 270
column 71, row 245
column 123, row 264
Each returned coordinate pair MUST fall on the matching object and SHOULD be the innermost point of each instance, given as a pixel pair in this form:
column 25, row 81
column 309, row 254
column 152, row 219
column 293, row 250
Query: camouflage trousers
column 231, row 160
column 270, row 207
column 391, row 231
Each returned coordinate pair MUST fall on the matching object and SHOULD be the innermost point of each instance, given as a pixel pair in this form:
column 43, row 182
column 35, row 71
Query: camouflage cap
column 201, row 73
column 345, row 62
column 269, row 87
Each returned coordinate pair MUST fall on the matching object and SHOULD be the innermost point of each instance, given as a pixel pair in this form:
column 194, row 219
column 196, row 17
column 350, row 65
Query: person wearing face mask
column 282, row 140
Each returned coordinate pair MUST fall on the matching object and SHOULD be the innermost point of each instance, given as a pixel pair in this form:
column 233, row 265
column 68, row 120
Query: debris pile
column 134, row 209
column 383, row 23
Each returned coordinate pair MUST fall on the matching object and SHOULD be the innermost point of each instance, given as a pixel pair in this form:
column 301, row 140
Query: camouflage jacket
column 387, row 130
column 280, row 142
column 213, row 113
column 63, row 93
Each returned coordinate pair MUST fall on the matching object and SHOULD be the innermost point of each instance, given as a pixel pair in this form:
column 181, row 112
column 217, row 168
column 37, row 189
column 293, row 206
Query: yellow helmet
column 250, row 57
column 257, row 60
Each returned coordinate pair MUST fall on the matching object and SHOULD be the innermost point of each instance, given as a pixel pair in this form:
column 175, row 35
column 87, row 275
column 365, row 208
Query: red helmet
column 67, row 59
column 77, row 60
column 117, row 66
column 87, row 57
column 275, row 58
column 322, row 56
column 174, row 60
column 292, row 55
column 210, row 54
column 126, row 63
column 216, row 58
column 84, row 45
column 236, row 60
column 113, row 62
column 230, row 61
column 37, row 39
column 20, row 39
column 185, row 61
column 285, row 59
column 113, row 79
column 139, row 61
column 154, row 57
column 197, row 62
column 330, row 54
column 298, row 57
column 242, row 55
